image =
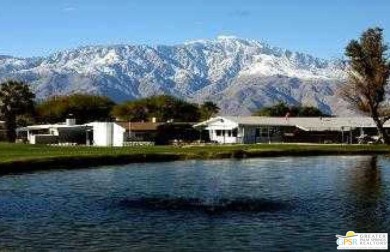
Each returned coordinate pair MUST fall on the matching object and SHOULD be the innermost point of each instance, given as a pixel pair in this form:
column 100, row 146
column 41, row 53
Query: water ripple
column 211, row 206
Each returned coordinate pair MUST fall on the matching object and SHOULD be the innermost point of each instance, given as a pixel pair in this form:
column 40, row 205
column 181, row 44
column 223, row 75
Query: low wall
column 44, row 139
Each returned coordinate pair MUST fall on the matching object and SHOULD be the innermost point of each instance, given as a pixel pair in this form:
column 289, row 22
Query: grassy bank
column 21, row 157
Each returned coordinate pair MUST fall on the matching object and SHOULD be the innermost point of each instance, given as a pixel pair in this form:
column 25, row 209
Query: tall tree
column 84, row 107
column 131, row 111
column 162, row 107
column 208, row 109
column 16, row 99
column 368, row 75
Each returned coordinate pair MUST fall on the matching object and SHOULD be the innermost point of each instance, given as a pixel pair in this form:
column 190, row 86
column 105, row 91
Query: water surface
column 273, row 204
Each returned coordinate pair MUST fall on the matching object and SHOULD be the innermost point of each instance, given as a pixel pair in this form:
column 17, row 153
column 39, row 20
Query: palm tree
column 16, row 99
column 208, row 109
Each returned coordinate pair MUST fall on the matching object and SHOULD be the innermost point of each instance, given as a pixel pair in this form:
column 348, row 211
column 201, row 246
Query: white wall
column 224, row 138
column 102, row 133
column 107, row 134
column 118, row 136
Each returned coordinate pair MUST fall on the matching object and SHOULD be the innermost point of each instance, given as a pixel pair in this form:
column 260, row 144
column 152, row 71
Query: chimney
column 70, row 120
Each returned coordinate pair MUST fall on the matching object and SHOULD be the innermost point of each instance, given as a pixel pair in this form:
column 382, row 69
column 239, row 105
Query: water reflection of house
column 256, row 129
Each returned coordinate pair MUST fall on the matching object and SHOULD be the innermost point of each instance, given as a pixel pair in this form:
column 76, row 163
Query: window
column 258, row 132
column 235, row 133
column 265, row 132
column 218, row 132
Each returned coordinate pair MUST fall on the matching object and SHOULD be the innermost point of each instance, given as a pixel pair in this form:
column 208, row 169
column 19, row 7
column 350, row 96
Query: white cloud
column 68, row 9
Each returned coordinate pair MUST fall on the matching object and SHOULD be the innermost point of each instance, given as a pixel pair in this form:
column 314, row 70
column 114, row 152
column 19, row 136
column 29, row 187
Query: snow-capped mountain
column 240, row 75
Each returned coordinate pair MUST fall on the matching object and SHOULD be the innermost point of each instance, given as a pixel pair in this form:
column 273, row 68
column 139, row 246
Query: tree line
column 365, row 90
column 19, row 108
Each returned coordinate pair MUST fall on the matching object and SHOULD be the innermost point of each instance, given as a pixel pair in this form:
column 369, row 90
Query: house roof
column 304, row 123
column 133, row 126
column 50, row 126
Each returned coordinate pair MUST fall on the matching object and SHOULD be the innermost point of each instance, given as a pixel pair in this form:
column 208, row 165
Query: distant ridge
column 240, row 75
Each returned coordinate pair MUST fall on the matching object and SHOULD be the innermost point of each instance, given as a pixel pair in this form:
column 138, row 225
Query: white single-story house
column 259, row 129
column 67, row 132
column 96, row 133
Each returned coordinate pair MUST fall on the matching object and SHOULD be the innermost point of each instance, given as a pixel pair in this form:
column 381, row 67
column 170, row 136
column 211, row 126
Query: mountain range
column 239, row 75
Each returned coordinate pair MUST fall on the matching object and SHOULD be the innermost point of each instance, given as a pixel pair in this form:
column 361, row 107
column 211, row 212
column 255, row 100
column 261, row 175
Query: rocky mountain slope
column 240, row 75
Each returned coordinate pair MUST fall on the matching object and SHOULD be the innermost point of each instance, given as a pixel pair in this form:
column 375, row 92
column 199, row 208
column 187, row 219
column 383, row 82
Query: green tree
column 368, row 75
column 84, row 107
column 308, row 111
column 281, row 109
column 16, row 99
column 162, row 107
column 208, row 109
column 166, row 107
column 131, row 111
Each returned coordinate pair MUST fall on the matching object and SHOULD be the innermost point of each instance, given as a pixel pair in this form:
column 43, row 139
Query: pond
column 264, row 204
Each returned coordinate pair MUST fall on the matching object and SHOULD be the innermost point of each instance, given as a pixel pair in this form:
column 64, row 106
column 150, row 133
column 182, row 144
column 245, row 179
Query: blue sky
column 318, row 27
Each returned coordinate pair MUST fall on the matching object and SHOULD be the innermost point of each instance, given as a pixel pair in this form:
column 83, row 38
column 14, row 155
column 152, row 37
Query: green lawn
column 25, row 152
